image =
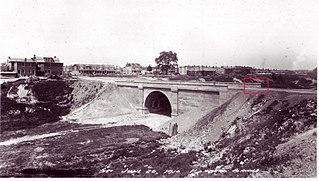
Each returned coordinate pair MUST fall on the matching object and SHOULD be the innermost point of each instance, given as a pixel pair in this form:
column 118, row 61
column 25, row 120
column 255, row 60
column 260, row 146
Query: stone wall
column 188, row 100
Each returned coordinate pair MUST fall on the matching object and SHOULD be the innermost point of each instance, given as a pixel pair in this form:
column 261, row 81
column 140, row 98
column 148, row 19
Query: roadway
column 303, row 91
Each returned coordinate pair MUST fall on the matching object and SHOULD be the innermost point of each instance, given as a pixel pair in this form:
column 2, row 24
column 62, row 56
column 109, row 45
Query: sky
column 279, row 34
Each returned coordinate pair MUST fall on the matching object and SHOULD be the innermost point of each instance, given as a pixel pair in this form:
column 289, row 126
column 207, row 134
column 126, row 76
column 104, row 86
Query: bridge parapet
column 175, row 85
column 217, row 84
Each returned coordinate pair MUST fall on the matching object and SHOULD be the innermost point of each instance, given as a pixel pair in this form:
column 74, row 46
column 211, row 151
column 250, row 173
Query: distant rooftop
column 94, row 66
column 134, row 65
column 35, row 59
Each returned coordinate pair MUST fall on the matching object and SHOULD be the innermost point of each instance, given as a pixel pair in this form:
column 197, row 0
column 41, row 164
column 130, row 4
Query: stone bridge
column 173, row 98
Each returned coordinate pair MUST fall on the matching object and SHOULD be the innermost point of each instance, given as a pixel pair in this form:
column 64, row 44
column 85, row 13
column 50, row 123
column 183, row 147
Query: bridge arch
column 157, row 102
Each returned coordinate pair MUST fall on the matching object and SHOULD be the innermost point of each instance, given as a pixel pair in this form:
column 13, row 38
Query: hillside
column 248, row 134
column 27, row 105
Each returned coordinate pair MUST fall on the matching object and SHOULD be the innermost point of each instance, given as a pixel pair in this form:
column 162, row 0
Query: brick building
column 35, row 66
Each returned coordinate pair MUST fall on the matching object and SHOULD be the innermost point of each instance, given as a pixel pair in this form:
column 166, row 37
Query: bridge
column 173, row 98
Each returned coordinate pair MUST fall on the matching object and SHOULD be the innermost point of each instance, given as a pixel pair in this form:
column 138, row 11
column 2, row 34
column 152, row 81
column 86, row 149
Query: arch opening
column 157, row 102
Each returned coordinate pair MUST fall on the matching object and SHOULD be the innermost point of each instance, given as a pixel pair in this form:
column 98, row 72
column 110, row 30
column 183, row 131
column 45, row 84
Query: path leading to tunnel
column 154, row 121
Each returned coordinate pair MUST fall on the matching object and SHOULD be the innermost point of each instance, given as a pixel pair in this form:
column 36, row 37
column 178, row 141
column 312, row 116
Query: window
column 29, row 71
column 49, row 65
column 23, row 64
column 29, row 64
column 19, row 71
column 49, row 71
column 33, row 72
column 23, row 71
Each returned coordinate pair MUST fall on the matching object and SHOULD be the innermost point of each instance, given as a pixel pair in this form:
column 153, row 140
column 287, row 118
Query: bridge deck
column 191, row 86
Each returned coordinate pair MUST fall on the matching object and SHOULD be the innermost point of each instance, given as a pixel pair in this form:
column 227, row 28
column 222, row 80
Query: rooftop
column 133, row 65
column 35, row 59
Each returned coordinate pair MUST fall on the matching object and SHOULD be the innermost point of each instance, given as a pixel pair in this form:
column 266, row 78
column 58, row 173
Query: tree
column 166, row 61
column 149, row 68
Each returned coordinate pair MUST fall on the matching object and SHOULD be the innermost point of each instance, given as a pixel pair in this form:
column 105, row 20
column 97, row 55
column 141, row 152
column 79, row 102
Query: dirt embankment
column 27, row 105
column 84, row 91
column 255, row 136
column 106, row 102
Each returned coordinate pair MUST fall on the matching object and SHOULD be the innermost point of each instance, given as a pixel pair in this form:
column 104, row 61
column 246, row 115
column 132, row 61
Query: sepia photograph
column 158, row 89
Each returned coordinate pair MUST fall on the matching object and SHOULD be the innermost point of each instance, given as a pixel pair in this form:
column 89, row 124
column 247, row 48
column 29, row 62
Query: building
column 156, row 70
column 35, row 66
column 261, row 71
column 182, row 70
column 173, row 71
column 199, row 70
column 220, row 70
column 4, row 67
column 5, row 71
column 91, row 69
column 243, row 70
column 212, row 70
column 132, row 69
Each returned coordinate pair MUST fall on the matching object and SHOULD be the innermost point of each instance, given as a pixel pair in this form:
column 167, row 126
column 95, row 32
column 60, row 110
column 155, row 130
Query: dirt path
column 35, row 137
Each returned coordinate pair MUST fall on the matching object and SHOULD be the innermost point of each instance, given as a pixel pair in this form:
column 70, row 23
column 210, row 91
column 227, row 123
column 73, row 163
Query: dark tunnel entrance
column 157, row 102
